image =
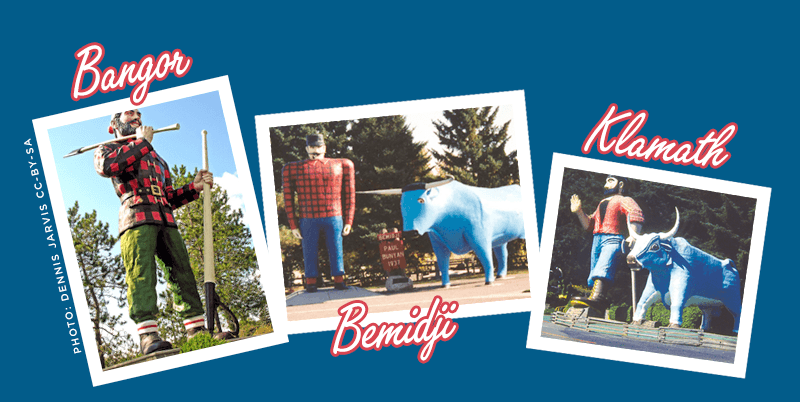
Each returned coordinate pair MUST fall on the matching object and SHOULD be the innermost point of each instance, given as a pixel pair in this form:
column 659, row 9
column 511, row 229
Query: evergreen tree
column 475, row 148
column 103, row 277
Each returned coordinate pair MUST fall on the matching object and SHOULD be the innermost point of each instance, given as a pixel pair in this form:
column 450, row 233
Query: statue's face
column 611, row 183
column 128, row 122
column 316, row 152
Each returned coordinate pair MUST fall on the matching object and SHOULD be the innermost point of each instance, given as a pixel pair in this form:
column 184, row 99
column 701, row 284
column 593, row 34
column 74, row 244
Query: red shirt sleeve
column 112, row 159
column 287, row 174
column 348, row 191
column 631, row 210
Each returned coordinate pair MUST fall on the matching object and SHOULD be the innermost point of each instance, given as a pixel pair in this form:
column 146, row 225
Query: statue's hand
column 296, row 233
column 575, row 203
column 145, row 132
column 346, row 230
column 203, row 176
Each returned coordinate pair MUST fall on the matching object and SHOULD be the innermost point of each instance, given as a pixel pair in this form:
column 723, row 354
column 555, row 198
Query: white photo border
column 519, row 126
column 271, row 284
column 539, row 290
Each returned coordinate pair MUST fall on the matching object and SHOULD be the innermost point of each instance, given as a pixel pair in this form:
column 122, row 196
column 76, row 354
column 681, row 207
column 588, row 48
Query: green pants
column 139, row 247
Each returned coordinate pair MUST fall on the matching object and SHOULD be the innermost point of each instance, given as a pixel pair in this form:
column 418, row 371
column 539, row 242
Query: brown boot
column 151, row 343
column 599, row 298
column 191, row 333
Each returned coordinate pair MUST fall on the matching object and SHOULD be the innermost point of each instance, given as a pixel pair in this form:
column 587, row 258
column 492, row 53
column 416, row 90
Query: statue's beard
column 612, row 191
column 125, row 128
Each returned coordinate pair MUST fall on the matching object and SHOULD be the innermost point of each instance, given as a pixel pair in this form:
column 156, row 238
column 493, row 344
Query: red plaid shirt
column 614, row 220
column 321, row 185
column 142, row 182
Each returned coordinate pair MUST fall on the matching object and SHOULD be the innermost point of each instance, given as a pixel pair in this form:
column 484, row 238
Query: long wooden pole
column 81, row 150
column 633, row 289
column 209, row 275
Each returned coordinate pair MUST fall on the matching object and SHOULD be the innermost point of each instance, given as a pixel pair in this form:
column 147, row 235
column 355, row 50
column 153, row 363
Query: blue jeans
column 310, row 229
column 606, row 256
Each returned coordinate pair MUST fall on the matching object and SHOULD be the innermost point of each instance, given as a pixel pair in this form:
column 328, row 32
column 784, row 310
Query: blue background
column 693, row 68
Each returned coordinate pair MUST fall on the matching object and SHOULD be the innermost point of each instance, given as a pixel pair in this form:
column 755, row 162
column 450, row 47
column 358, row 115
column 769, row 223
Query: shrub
column 200, row 341
column 612, row 311
column 263, row 330
column 618, row 313
column 658, row 313
column 692, row 317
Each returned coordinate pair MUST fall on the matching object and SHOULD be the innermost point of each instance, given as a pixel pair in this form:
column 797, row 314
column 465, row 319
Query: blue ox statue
column 683, row 275
column 460, row 218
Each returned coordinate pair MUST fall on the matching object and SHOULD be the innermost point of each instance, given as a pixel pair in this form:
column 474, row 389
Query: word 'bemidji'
column 140, row 74
column 427, row 330
column 631, row 146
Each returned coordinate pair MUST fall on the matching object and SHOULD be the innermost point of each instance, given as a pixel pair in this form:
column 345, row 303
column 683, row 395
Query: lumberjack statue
column 322, row 186
column 606, row 223
column 147, row 227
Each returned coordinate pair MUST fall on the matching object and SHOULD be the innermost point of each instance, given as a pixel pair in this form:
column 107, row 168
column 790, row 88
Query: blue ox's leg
column 501, row 252
column 731, row 295
column 678, row 293
column 442, row 257
column 647, row 299
column 484, row 255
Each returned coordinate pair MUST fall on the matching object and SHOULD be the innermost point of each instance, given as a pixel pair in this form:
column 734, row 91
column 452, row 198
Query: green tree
column 475, row 148
column 235, row 263
column 103, row 277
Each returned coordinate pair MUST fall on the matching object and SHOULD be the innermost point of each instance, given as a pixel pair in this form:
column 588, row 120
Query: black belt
column 150, row 190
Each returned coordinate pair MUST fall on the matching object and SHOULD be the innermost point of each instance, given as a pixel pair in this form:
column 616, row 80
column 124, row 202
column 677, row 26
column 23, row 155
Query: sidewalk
column 325, row 302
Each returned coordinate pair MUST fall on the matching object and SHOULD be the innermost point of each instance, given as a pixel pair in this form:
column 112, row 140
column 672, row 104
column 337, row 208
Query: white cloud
column 231, row 183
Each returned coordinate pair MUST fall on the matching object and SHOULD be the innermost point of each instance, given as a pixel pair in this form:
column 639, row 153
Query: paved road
column 555, row 331
column 324, row 303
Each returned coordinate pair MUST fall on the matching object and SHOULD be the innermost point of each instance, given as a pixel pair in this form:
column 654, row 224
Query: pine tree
column 475, row 148
column 103, row 276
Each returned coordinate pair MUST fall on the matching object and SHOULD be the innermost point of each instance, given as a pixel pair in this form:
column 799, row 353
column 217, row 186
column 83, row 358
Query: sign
column 392, row 251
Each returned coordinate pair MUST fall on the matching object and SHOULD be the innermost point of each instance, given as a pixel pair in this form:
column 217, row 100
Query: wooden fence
column 675, row 336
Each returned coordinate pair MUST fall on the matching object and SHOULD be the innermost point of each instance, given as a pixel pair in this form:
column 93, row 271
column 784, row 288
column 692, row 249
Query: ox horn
column 439, row 183
column 399, row 191
column 388, row 191
column 632, row 231
column 674, row 230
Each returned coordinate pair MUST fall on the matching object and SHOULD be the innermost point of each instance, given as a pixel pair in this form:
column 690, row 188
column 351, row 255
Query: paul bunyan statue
column 147, row 227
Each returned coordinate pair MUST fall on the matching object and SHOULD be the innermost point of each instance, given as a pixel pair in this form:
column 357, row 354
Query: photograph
column 395, row 203
column 160, row 231
column 653, row 262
